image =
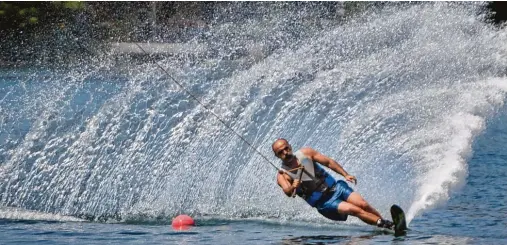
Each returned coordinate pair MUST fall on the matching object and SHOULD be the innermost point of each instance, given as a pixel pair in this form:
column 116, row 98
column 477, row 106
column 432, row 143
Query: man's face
column 283, row 150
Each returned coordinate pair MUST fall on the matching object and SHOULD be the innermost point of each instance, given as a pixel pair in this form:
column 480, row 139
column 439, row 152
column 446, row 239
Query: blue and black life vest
column 315, row 180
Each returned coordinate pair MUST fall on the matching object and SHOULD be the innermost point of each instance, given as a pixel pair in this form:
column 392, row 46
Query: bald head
column 282, row 149
column 279, row 142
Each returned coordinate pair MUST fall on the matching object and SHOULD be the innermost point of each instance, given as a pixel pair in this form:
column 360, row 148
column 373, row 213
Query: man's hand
column 296, row 184
column 351, row 179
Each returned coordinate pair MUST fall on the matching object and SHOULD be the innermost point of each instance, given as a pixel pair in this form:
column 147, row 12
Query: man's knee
column 350, row 209
column 357, row 200
column 363, row 204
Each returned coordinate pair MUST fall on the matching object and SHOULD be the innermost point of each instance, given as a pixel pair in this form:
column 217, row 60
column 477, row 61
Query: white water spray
column 397, row 97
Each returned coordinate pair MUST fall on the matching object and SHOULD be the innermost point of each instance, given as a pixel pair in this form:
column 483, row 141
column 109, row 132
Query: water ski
column 400, row 224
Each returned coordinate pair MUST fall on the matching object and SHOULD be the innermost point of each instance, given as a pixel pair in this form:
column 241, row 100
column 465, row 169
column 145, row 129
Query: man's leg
column 356, row 199
column 351, row 209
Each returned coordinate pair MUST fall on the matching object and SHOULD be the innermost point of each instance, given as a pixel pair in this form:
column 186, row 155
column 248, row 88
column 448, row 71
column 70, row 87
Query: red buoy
column 182, row 222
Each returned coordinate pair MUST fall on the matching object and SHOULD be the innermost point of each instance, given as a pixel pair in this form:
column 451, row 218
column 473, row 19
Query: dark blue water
column 478, row 210
column 409, row 99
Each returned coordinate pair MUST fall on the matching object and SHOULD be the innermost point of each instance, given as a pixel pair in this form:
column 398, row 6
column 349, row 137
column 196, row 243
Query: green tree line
column 30, row 15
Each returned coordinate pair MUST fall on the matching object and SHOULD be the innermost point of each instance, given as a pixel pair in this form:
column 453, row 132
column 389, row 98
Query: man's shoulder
column 307, row 150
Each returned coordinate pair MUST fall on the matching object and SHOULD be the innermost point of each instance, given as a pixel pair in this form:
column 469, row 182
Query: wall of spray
column 396, row 95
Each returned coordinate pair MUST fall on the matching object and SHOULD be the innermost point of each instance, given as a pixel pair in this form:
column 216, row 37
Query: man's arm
column 328, row 162
column 285, row 181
